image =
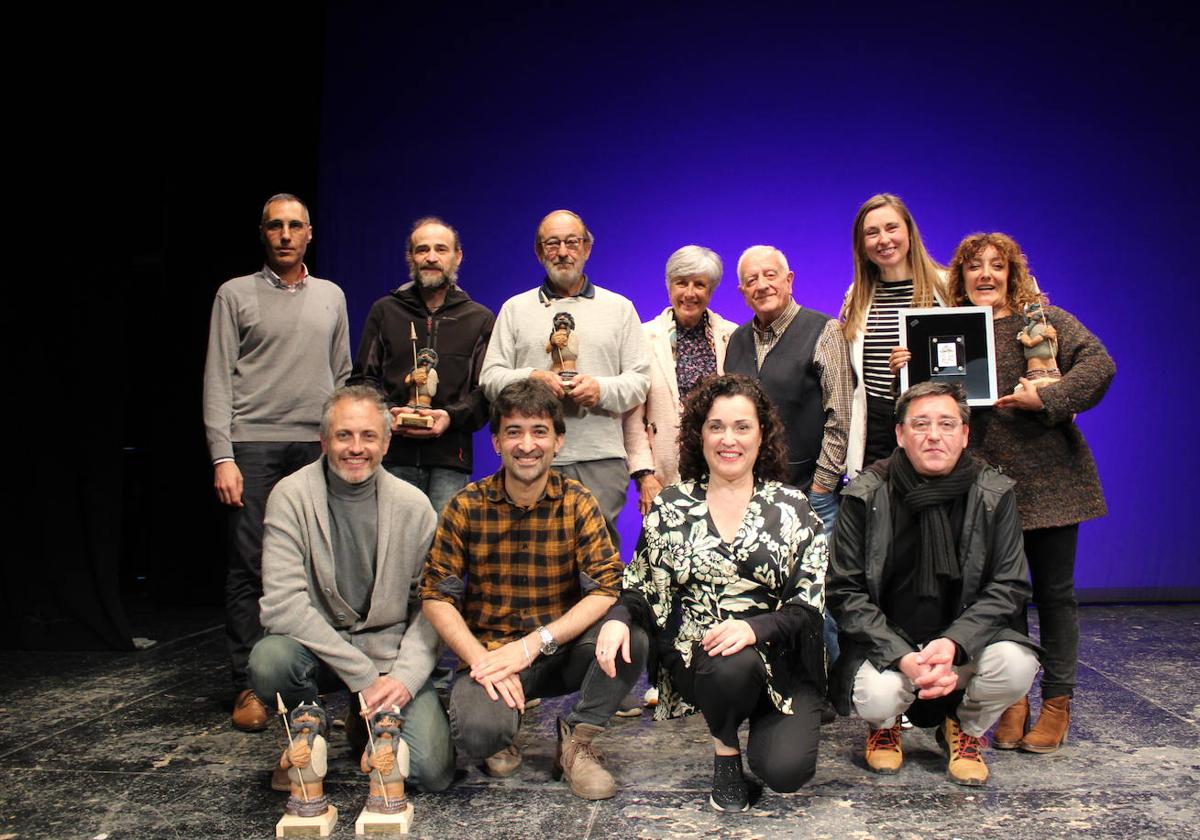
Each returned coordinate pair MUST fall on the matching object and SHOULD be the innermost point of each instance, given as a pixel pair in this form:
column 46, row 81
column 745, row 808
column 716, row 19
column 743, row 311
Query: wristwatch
column 549, row 646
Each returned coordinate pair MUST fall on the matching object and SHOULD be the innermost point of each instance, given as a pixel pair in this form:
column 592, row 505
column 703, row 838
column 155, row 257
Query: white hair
column 764, row 250
column 693, row 260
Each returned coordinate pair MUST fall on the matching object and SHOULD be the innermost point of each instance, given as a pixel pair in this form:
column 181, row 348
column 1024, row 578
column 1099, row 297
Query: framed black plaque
column 951, row 345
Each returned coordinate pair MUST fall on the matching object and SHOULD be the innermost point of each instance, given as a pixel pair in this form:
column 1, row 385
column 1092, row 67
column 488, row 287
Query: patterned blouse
column 695, row 357
column 778, row 559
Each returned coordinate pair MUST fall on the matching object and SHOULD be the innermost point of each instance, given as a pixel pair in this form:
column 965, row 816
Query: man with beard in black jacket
column 436, row 460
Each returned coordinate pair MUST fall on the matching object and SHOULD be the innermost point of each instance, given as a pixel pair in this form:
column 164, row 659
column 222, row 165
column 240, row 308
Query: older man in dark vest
column 800, row 358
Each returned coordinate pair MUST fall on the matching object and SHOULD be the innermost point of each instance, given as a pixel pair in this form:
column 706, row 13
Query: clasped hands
column 931, row 669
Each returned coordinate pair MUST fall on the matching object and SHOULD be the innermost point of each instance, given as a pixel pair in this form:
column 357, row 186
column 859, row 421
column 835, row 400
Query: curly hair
column 1022, row 289
column 771, row 464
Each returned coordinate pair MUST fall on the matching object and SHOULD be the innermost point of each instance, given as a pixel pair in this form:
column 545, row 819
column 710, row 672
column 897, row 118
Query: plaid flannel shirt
column 510, row 569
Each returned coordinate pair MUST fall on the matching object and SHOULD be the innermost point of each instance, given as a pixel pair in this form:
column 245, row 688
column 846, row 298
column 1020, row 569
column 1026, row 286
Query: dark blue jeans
column 825, row 506
column 437, row 483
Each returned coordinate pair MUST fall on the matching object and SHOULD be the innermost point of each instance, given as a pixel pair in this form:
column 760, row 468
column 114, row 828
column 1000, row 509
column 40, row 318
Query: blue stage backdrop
column 734, row 124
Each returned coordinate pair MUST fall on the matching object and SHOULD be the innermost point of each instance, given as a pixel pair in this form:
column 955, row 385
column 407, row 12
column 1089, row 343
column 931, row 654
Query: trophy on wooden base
column 423, row 380
column 386, row 765
column 308, row 810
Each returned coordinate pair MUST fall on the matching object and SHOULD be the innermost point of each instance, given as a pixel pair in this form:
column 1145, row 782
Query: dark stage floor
column 138, row 746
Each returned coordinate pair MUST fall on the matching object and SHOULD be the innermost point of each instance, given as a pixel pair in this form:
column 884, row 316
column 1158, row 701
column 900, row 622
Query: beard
column 432, row 282
column 564, row 275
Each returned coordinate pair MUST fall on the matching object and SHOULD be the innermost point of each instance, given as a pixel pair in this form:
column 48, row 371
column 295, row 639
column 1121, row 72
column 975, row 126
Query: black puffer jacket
column 995, row 577
column 459, row 332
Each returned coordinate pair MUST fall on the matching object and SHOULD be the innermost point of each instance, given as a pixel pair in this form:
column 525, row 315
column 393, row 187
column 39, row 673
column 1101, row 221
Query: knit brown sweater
column 1044, row 451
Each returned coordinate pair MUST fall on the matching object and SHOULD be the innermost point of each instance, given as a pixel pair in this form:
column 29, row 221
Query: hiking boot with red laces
column 884, row 754
column 966, row 765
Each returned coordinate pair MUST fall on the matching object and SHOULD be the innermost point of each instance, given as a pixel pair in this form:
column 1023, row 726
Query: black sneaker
column 729, row 789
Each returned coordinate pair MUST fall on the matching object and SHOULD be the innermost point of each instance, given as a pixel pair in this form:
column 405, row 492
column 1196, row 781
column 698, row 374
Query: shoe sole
column 1042, row 750
column 967, row 782
column 884, row 771
column 260, row 727
column 498, row 775
column 717, row 807
column 1006, row 745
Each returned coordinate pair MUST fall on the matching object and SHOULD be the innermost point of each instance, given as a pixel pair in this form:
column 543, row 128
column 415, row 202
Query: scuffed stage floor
column 138, row 746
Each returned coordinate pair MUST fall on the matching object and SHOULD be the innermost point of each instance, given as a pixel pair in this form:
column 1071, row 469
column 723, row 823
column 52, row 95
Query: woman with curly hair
column 729, row 579
column 892, row 271
column 1031, row 434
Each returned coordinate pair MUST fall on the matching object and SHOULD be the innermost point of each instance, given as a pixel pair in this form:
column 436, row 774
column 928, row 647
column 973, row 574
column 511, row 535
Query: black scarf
column 930, row 500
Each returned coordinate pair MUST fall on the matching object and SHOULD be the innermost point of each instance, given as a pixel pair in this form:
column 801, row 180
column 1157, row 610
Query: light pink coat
column 652, row 429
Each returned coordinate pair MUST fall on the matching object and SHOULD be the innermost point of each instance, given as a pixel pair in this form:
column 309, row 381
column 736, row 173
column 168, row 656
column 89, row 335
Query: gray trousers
column 998, row 678
column 608, row 481
column 481, row 726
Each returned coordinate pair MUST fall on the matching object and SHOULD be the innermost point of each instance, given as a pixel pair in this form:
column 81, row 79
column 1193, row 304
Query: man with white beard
column 612, row 367
column 437, row 460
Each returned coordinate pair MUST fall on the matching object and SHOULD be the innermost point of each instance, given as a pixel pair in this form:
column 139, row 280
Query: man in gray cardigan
column 344, row 542
column 278, row 345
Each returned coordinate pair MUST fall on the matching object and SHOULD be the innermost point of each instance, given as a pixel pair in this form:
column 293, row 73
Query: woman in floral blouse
column 729, row 579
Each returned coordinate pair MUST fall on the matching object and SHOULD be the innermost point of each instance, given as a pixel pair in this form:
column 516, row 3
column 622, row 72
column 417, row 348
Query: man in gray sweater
column 278, row 346
column 613, row 368
column 344, row 542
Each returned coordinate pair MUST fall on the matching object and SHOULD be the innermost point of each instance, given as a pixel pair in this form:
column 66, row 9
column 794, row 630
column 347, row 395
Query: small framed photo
column 951, row 345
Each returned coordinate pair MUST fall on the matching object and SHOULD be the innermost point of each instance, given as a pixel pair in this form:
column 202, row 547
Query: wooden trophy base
column 416, row 421
column 319, row 826
column 369, row 822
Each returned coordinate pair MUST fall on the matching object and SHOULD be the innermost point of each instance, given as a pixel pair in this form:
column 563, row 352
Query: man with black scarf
column 926, row 578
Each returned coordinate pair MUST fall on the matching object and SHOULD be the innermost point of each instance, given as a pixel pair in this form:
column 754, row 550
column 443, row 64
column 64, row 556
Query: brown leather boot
column 1050, row 731
column 249, row 714
column 1012, row 726
column 966, row 765
column 884, row 753
column 578, row 761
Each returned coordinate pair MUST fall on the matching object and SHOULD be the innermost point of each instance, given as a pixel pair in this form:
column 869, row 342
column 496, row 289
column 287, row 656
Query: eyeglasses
column 922, row 425
column 571, row 243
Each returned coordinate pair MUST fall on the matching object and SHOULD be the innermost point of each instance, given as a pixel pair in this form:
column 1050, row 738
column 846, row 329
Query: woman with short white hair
column 687, row 343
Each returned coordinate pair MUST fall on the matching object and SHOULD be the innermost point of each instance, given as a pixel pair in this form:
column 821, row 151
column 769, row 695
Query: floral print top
column 777, row 559
column 695, row 357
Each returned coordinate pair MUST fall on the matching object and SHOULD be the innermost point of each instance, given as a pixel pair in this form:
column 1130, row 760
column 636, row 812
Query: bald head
column 563, row 245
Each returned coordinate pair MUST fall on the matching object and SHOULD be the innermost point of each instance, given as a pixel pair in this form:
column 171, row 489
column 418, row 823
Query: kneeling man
column 519, row 578
column 926, row 579
column 343, row 546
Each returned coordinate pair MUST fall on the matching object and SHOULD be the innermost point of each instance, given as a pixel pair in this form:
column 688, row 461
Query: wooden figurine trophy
column 386, row 764
column 1040, row 340
column 308, row 810
column 563, row 348
column 423, row 380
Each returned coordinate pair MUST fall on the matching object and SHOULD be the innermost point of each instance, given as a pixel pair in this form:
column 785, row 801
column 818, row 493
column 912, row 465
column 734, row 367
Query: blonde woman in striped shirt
column 892, row 271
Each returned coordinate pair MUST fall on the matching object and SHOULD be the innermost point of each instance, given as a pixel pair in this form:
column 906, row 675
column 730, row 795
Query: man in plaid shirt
column 519, row 578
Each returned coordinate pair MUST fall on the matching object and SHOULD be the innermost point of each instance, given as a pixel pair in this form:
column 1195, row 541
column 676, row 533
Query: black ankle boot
column 729, row 789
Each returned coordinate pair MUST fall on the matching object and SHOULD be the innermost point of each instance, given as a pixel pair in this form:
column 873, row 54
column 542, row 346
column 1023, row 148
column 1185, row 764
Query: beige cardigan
column 652, row 429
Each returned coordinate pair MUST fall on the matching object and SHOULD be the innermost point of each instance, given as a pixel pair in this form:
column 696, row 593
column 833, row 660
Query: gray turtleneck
column 354, row 522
